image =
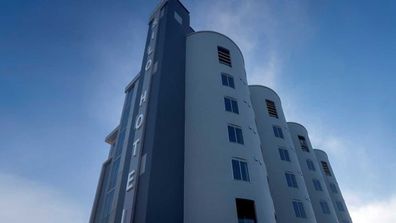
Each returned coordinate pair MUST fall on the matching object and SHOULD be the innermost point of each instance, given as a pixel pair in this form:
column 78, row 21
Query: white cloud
column 383, row 211
column 23, row 200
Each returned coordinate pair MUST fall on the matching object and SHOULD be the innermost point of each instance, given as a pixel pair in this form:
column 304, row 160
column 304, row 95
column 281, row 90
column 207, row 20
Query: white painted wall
column 316, row 196
column 210, row 189
column 282, row 195
column 343, row 216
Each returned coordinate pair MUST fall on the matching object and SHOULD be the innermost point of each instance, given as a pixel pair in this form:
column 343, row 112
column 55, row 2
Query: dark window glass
column 245, row 171
column 291, row 180
column 284, row 154
column 231, row 82
column 231, row 134
column 224, row 56
column 224, row 80
column 278, row 131
column 271, row 108
column 299, row 210
column 231, row 105
column 317, row 185
column 310, row 165
column 333, row 188
column 107, row 206
column 227, row 80
column 236, row 169
column 245, row 211
column 239, row 135
column 114, row 174
column 325, row 207
column 340, row 206
column 240, row 170
column 235, row 108
column 227, row 104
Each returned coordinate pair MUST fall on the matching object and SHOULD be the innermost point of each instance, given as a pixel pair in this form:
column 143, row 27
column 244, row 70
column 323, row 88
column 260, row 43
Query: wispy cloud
column 23, row 200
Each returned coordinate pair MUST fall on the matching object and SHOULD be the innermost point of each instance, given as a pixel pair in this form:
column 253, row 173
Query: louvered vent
column 271, row 108
column 326, row 168
column 224, row 56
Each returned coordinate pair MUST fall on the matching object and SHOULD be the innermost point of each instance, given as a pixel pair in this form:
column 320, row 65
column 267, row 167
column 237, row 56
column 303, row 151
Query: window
column 271, row 108
column 325, row 207
column 310, row 165
column 278, row 131
column 114, row 174
column 107, row 206
column 224, row 56
column 240, row 170
column 333, row 188
column 231, row 105
column 326, row 168
column 284, row 155
column 245, row 210
column 227, row 80
column 303, row 143
column 299, row 209
column 317, row 185
column 235, row 134
column 178, row 18
column 291, row 180
column 340, row 206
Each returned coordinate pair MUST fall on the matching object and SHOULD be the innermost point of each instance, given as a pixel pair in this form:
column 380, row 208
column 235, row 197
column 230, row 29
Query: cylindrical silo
column 318, row 193
column 289, row 193
column 225, row 179
column 332, row 186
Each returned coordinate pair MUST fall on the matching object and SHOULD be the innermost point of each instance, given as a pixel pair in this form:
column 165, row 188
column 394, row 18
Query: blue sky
column 64, row 65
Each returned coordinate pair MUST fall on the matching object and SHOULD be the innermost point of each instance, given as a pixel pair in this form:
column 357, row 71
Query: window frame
column 237, row 134
column 233, row 105
column 291, row 180
column 240, row 169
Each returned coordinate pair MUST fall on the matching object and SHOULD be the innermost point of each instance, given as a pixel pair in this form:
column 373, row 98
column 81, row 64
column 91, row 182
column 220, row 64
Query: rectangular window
column 114, row 174
column 317, row 185
column 325, row 207
column 224, row 56
column 178, row 18
column 240, row 170
column 235, row 134
column 107, row 206
column 245, row 211
column 231, row 105
column 271, row 108
column 284, row 155
column 227, row 80
column 340, row 206
column 310, row 165
column 278, row 131
column 303, row 143
column 291, row 180
column 326, row 168
column 333, row 188
column 299, row 210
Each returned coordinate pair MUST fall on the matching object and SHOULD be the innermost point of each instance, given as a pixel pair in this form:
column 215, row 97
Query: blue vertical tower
column 142, row 179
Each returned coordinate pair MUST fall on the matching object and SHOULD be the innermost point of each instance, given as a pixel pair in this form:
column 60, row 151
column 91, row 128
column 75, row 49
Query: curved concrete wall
column 304, row 156
column 336, row 196
column 282, row 194
column 209, row 187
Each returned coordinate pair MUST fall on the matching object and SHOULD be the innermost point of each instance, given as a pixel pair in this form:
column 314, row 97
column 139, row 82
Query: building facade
column 316, row 186
column 333, row 187
column 195, row 143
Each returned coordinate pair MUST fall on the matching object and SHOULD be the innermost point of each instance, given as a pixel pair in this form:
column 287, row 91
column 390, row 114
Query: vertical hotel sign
column 139, row 124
